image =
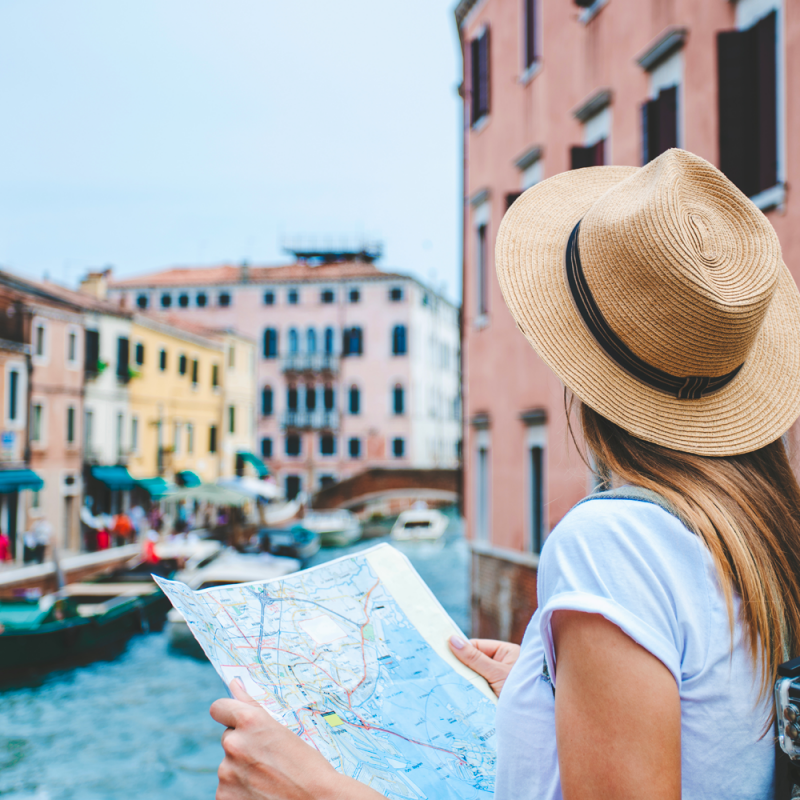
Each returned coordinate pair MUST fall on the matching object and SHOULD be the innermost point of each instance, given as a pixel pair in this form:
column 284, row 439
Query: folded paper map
column 352, row 656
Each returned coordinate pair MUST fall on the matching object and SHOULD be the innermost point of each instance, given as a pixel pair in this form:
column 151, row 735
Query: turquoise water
column 137, row 726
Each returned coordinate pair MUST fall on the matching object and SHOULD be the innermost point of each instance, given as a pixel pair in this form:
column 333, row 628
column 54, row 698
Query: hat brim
column 755, row 408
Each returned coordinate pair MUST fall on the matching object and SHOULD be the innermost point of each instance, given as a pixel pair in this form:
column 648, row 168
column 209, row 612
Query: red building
column 551, row 85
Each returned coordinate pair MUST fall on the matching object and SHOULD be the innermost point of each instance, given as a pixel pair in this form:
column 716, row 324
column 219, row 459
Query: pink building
column 551, row 85
column 356, row 367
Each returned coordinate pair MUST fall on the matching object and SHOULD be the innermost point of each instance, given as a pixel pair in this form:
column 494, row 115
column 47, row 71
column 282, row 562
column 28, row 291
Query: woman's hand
column 265, row 761
column 491, row 659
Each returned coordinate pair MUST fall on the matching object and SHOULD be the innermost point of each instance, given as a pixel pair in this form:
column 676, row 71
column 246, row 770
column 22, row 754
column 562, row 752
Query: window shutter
column 530, row 32
column 475, row 81
column 667, row 119
column 736, row 77
column 346, row 342
column 581, row 157
column 92, row 350
column 123, row 348
column 599, row 153
column 511, row 198
column 764, row 41
column 483, row 46
column 646, row 111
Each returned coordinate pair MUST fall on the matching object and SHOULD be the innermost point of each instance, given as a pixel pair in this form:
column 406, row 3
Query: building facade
column 551, row 85
column 344, row 357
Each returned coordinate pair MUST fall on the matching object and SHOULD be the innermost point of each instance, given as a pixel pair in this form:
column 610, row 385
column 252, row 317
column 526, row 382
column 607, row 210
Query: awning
column 257, row 463
column 157, row 487
column 190, row 479
column 114, row 477
column 12, row 480
column 267, row 490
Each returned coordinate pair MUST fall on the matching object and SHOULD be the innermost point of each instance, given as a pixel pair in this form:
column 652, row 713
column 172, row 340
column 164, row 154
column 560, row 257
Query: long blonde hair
column 745, row 508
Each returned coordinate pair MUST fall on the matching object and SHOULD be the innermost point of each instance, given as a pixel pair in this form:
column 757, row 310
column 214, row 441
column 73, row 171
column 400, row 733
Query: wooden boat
column 229, row 567
column 75, row 622
column 417, row 524
column 336, row 528
column 295, row 542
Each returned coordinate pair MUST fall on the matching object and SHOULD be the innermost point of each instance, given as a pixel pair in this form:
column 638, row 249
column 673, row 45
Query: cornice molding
column 670, row 40
column 593, row 104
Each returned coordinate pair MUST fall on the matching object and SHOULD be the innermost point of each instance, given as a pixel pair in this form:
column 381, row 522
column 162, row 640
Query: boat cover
column 115, row 477
column 190, row 479
column 251, row 458
column 12, row 480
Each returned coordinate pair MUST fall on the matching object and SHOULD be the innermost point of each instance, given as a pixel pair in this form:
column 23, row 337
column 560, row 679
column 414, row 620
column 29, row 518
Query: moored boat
column 295, row 542
column 336, row 528
column 422, row 523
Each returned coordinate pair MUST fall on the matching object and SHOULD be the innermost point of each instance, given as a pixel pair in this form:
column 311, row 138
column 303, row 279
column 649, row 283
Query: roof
column 228, row 275
column 177, row 320
column 173, row 325
column 87, row 302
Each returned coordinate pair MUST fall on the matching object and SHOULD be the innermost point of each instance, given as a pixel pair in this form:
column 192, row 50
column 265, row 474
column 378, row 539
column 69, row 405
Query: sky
column 143, row 134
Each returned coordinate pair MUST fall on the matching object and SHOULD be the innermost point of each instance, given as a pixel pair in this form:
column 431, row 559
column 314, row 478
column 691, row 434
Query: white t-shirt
column 643, row 570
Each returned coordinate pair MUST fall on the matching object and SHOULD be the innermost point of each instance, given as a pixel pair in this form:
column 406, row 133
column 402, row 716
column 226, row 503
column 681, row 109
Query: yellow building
column 176, row 400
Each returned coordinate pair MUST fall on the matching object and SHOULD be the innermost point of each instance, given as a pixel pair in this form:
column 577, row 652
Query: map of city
column 352, row 656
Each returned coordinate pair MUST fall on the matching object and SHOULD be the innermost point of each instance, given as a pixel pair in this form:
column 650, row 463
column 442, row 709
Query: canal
column 137, row 726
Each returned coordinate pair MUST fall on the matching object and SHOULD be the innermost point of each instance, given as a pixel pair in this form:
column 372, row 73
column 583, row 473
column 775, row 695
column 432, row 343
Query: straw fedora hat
column 660, row 298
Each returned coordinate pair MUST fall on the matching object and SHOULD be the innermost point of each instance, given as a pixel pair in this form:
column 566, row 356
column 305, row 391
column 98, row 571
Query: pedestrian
column 5, row 548
column 122, row 528
column 659, row 297
column 42, row 531
column 29, row 545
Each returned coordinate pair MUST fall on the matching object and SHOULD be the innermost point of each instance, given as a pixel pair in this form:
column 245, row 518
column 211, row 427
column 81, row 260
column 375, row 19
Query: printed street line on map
column 352, row 656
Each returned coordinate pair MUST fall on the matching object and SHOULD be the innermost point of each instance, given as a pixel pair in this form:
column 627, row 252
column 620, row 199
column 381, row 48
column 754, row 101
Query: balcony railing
column 314, row 420
column 310, row 362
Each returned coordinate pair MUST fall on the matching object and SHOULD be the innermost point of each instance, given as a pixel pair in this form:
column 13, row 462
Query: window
column 479, row 76
column 530, row 33
column 269, row 298
column 352, row 341
column 291, row 398
column 293, row 297
column 224, row 299
column 311, row 341
column 36, row 499
column 482, row 493
column 231, row 356
column 201, row 300
column 294, row 484
column 327, row 444
column 195, row 371
column 91, row 349
column 398, row 447
column 354, row 397
column 399, row 340
column 182, row 362
column 270, row 343
column 326, row 480
column 88, row 431
column 36, row 422
column 183, row 300
column 589, row 156
column 483, row 269
column 13, row 395
column 747, row 74
column 139, row 354
column 212, row 439
column 162, row 359
column 120, row 434
column 231, row 419
column 166, row 300
column 327, row 296
column 398, row 400
column 311, row 397
column 329, row 397
column 72, row 347
column 329, row 336
column 535, row 448
column 660, row 124
column 70, row 425
column 142, row 301
column 135, row 434
column 266, row 401
column 176, row 436
column 215, row 376
column 396, row 294
column 39, row 341
column 294, row 341
column 266, row 447
column 293, row 444
column 123, row 359
column 595, row 114
column 189, row 438
column 354, row 447
column 354, row 296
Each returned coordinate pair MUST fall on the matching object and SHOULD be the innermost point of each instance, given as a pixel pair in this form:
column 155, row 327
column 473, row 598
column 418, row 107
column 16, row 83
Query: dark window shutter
column 484, row 72
column 647, row 127
column 667, row 119
column 530, row 32
column 311, row 398
column 511, row 198
column 738, row 126
column 346, row 342
column 581, row 157
column 475, row 81
column 123, row 355
column 764, row 41
column 599, row 153
column 92, row 350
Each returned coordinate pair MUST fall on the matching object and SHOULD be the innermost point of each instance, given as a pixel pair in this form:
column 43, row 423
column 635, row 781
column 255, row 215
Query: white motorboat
column 336, row 528
column 229, row 567
column 422, row 523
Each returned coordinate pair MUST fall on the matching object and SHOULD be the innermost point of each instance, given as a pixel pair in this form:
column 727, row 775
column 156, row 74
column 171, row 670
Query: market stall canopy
column 209, row 493
column 252, row 459
column 267, row 490
column 12, row 480
column 114, row 477
column 157, row 487
column 189, row 479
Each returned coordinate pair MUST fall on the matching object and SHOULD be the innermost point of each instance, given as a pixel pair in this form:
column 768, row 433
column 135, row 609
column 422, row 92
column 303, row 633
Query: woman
column 659, row 297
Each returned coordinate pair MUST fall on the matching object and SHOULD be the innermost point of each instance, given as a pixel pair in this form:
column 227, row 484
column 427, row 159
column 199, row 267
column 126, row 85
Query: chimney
column 96, row 283
column 244, row 274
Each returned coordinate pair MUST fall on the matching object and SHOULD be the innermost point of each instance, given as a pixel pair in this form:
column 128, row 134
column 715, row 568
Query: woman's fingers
column 479, row 662
column 225, row 712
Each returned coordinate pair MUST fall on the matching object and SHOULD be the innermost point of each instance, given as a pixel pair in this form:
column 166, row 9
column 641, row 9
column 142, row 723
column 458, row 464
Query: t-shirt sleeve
column 633, row 563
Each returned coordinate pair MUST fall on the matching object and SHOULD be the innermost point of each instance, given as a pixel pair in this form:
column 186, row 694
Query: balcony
column 310, row 362
column 310, row 420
